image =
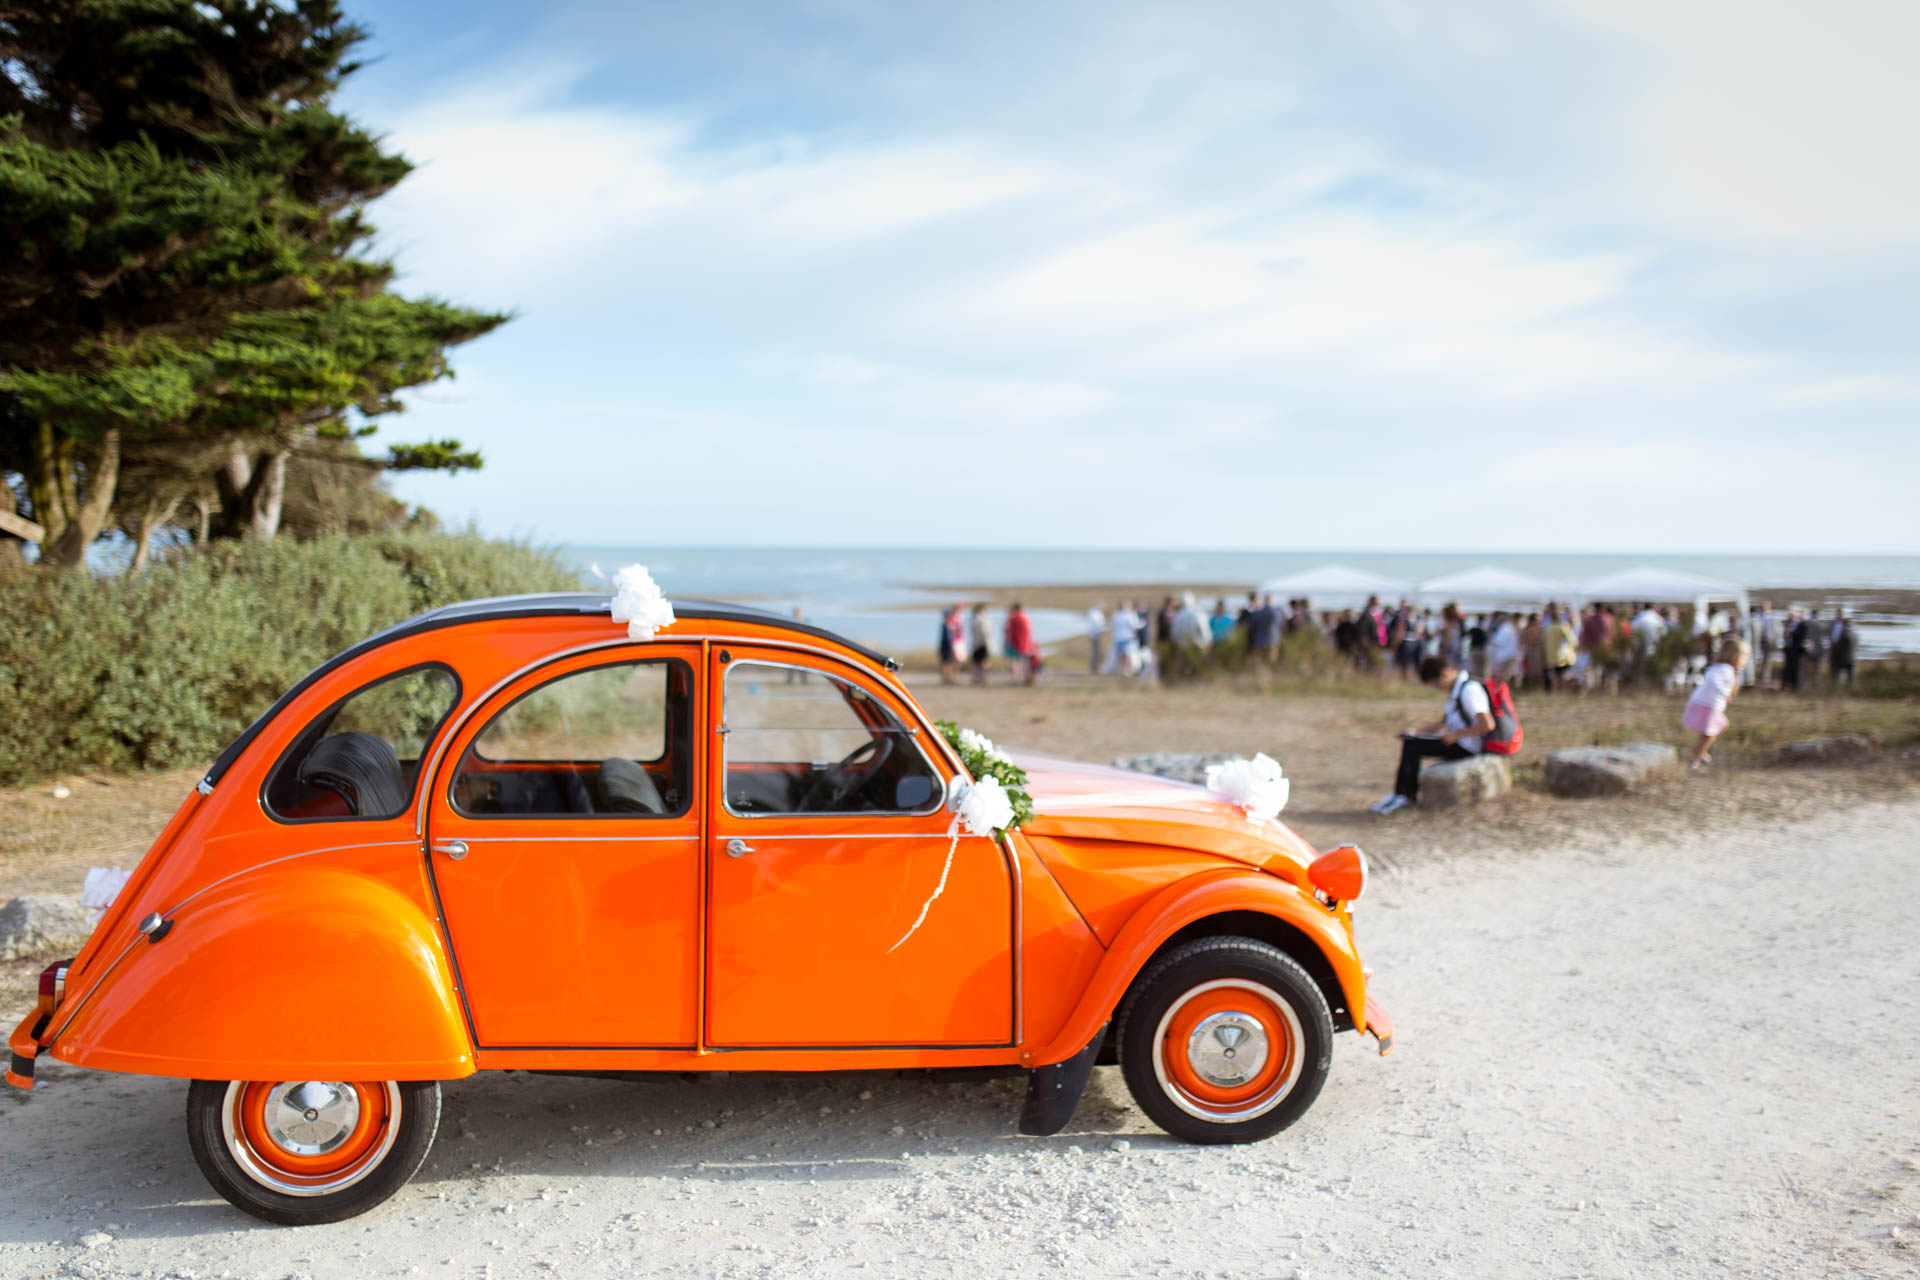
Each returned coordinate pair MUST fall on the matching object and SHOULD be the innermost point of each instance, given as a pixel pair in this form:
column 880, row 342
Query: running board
column 1053, row 1092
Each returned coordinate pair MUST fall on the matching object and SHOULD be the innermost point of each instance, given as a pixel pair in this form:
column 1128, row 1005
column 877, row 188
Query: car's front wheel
column 1225, row 1040
column 297, row 1152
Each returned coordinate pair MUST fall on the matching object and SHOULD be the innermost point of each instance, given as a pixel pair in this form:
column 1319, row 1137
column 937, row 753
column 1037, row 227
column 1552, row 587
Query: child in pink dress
column 1706, row 712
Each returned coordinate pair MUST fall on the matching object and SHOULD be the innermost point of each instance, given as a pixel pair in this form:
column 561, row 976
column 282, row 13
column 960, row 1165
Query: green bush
column 163, row 669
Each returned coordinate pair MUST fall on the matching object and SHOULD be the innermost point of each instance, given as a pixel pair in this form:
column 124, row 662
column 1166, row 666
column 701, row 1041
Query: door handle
column 737, row 847
column 455, row 849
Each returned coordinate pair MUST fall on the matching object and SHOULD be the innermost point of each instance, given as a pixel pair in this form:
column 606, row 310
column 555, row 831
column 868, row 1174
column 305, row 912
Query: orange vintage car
column 505, row 835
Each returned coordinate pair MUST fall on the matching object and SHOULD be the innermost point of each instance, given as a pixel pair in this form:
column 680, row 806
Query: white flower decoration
column 983, row 806
column 637, row 601
column 981, row 743
column 1255, row 785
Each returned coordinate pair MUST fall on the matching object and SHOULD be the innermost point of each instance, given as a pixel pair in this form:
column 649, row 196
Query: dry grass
column 1340, row 752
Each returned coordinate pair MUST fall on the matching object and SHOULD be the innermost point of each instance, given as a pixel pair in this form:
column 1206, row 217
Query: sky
column 1573, row 275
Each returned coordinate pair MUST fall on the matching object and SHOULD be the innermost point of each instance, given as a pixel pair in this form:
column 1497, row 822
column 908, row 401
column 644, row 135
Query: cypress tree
column 187, row 301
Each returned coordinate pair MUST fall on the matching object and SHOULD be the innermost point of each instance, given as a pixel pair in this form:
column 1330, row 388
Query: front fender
column 1180, row 904
column 309, row 973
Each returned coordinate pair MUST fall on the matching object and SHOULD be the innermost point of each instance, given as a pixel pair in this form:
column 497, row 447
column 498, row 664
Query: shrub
column 163, row 669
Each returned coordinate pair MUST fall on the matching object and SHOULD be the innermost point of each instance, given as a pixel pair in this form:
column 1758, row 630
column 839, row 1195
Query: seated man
column 1455, row 736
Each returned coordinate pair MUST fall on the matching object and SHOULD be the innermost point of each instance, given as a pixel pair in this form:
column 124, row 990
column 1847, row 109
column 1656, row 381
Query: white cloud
column 1194, row 263
column 1773, row 121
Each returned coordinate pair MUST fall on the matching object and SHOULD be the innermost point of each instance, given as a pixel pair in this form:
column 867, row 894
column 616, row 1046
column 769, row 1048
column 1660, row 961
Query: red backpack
column 1506, row 735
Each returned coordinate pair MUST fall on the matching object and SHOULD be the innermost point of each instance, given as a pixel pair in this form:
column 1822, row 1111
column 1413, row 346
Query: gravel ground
column 1680, row 1056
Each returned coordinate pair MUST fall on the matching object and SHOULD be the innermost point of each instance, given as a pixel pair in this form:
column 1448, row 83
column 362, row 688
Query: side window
column 361, row 756
column 806, row 742
column 612, row 741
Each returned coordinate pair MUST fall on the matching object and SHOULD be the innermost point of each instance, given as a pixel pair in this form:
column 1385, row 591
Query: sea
column 883, row 597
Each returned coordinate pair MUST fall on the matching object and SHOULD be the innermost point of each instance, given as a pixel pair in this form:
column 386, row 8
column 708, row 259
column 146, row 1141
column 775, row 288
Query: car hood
column 1090, row 801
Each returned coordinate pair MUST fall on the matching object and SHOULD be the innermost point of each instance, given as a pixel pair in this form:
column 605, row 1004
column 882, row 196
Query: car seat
column 628, row 788
column 363, row 768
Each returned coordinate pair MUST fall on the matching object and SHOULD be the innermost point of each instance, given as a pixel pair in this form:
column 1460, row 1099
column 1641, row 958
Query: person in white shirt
column 1125, row 657
column 1503, row 650
column 1456, row 735
column 1096, row 637
column 1190, row 626
column 1706, row 712
column 1767, row 631
column 1648, row 626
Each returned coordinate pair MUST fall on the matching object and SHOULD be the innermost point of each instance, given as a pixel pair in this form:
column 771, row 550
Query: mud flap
column 1053, row 1092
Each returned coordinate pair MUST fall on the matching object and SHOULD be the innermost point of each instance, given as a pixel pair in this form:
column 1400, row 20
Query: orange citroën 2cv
column 507, row 835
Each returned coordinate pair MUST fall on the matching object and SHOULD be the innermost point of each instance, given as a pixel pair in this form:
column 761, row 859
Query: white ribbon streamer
column 983, row 808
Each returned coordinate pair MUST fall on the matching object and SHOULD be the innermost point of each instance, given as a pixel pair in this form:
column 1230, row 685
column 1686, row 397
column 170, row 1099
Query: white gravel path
column 1683, row 1057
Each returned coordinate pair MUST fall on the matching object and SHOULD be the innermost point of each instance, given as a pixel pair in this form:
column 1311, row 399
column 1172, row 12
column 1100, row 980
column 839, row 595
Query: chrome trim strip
column 693, row 838
column 851, row 835
column 274, row 862
column 208, row 888
column 81, row 1003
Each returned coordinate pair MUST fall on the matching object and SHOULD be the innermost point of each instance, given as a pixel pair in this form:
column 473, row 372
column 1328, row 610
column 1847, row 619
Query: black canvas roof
column 546, row 605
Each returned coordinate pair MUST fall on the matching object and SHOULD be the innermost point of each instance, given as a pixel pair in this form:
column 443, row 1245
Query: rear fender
column 307, row 973
column 1183, row 903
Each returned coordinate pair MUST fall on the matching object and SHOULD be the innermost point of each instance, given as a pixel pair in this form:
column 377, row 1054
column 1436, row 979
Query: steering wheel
column 831, row 789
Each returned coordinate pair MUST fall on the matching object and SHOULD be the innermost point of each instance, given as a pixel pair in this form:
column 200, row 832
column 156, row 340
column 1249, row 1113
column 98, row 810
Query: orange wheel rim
column 309, row 1137
column 1228, row 1050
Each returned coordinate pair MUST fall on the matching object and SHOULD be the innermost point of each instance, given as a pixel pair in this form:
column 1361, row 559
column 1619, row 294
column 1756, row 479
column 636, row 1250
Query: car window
column 802, row 741
column 361, row 756
column 612, row 740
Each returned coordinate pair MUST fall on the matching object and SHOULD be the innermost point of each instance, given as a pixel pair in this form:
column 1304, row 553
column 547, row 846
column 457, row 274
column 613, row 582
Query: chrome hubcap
column 1228, row 1048
column 312, row 1117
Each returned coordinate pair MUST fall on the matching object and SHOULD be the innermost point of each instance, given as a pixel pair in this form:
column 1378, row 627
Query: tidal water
column 882, row 597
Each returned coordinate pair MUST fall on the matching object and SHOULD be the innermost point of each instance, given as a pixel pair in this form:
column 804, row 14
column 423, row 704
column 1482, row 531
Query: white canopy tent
column 1486, row 588
column 1665, row 586
column 1335, row 586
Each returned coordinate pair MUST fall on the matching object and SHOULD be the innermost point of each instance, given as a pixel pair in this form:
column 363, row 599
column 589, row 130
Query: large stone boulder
column 42, row 922
column 1832, row 750
column 1608, row 771
column 1177, row 765
column 1453, row 783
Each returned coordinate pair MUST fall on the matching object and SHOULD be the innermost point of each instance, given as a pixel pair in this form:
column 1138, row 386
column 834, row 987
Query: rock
column 1453, row 783
column 93, row 1239
column 1179, row 766
column 1840, row 746
column 41, row 922
column 1608, row 771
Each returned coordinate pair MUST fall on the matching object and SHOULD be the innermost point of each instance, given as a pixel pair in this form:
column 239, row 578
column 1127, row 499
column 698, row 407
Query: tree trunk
column 272, row 496
column 12, row 554
column 80, row 518
column 253, row 490
column 153, row 517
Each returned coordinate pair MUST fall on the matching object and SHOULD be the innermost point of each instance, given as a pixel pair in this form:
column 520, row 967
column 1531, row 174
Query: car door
column 564, row 840
column 840, row 911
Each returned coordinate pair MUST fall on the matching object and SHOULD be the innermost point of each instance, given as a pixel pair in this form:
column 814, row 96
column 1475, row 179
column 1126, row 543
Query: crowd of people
column 1559, row 649
column 966, row 644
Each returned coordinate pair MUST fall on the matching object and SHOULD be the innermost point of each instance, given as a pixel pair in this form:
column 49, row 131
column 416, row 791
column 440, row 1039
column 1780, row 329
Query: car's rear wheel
column 306, row 1151
column 1225, row 1040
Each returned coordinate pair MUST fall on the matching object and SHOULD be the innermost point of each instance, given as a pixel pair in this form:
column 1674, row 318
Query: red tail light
column 1340, row 873
column 53, row 984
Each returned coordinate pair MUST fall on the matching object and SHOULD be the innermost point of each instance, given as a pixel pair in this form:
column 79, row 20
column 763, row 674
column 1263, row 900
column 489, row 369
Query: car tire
column 309, row 1151
column 1225, row 1040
